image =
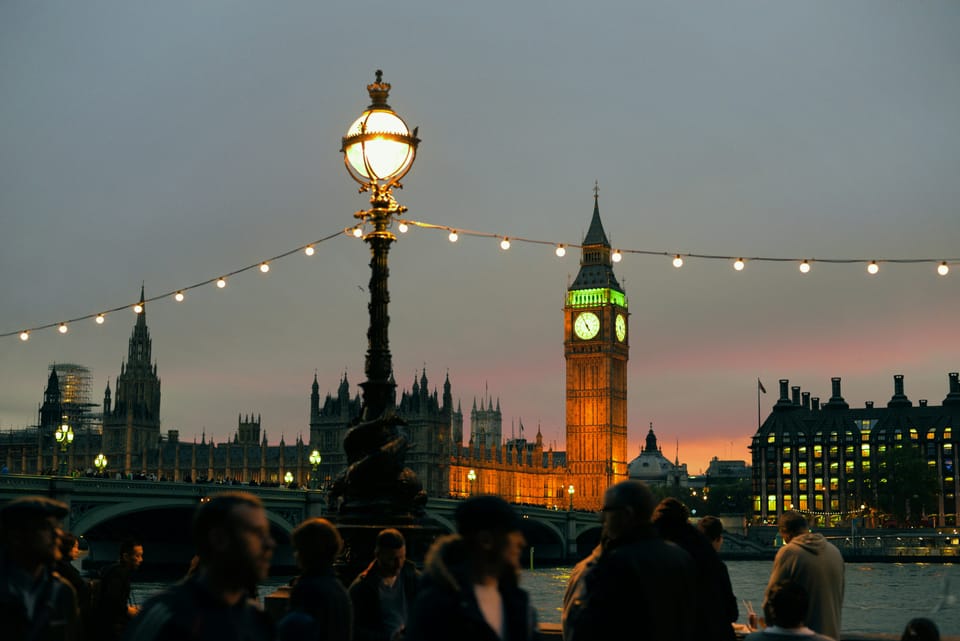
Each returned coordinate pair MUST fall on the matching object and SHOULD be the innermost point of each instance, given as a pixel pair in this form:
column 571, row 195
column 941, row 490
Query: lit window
column 818, row 484
column 787, row 451
column 947, row 447
column 818, row 502
column 865, row 450
column 848, row 450
column 786, row 468
column 802, row 467
column 817, row 451
column 834, row 451
column 802, row 450
column 771, row 502
column 913, row 433
column 803, row 502
column 834, row 467
column 772, row 438
column 802, row 485
column 865, row 468
column 834, row 484
column 849, row 467
column 897, row 436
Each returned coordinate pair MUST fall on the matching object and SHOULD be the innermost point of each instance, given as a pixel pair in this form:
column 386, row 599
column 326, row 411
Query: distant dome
column 652, row 467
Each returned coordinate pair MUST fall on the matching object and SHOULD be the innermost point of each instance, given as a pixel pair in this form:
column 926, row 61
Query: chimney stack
column 836, row 398
column 796, row 394
column 784, row 401
column 899, row 399
column 805, row 400
column 815, row 403
column 923, row 402
column 953, row 398
column 869, row 405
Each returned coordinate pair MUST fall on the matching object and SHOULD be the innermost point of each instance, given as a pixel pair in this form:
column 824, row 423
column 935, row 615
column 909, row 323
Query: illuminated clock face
column 587, row 325
column 621, row 327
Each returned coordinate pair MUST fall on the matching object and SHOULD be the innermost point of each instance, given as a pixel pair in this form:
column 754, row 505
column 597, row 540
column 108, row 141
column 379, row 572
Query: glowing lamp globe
column 379, row 148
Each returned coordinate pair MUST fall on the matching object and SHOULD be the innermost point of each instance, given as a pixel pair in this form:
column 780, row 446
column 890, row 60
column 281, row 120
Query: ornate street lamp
column 315, row 459
column 378, row 151
column 100, row 463
column 288, row 478
column 64, row 436
column 571, row 490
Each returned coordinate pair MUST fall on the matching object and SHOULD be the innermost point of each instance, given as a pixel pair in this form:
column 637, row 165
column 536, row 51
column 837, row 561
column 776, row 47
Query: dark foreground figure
column 232, row 537
column 35, row 603
column 469, row 590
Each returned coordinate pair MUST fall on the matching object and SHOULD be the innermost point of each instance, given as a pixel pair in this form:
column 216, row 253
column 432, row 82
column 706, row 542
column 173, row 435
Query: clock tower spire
column 596, row 349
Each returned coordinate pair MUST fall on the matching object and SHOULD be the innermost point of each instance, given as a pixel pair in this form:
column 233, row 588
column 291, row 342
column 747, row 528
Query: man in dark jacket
column 113, row 609
column 714, row 592
column 383, row 594
column 469, row 590
column 637, row 582
column 232, row 536
column 35, row 603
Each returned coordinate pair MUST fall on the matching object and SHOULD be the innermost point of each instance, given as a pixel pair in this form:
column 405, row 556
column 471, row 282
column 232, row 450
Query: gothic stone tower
column 131, row 427
column 596, row 348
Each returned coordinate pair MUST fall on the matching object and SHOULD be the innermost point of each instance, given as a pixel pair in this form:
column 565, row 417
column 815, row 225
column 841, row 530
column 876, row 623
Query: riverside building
column 839, row 464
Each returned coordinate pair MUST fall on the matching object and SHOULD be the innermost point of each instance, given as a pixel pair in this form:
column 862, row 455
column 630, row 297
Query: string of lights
column 177, row 294
column 738, row 263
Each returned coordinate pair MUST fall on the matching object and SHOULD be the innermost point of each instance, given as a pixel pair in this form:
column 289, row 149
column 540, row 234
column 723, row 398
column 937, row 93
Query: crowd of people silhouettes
column 653, row 572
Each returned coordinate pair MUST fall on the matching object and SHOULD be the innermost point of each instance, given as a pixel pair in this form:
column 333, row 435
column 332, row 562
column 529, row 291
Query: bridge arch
column 100, row 514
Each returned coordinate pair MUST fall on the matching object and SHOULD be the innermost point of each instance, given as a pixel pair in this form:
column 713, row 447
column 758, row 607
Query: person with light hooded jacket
column 814, row 563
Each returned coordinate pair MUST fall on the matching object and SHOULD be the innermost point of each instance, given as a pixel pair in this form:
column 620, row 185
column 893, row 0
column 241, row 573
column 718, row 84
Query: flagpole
column 758, row 404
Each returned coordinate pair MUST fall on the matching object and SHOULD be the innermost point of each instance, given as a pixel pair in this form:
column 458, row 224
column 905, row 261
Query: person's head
column 131, row 553
column 712, row 528
column 232, row 537
column 670, row 515
column 627, row 507
column 792, row 524
column 921, row 629
column 316, row 544
column 787, row 605
column 492, row 530
column 30, row 530
column 69, row 546
column 390, row 552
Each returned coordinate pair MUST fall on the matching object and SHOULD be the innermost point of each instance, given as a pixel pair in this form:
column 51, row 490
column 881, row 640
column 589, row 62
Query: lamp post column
column 378, row 389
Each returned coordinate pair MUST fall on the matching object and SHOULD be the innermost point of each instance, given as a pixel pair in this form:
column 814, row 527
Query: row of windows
column 866, row 434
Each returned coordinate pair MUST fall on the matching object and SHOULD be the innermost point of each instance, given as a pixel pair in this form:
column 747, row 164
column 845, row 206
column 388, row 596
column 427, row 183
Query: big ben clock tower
column 596, row 346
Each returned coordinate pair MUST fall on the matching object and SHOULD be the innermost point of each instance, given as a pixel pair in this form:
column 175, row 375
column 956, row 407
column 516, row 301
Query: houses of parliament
column 126, row 428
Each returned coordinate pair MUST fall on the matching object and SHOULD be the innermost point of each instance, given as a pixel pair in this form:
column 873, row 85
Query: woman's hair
column 921, row 629
column 67, row 541
column 317, row 543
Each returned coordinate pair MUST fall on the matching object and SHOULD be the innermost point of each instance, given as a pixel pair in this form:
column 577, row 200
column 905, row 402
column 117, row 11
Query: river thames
column 880, row 597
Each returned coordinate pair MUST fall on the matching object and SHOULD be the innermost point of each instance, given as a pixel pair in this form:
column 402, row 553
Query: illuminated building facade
column 835, row 462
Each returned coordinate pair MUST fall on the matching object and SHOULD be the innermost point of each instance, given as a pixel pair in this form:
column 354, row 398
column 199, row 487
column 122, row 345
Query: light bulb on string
column 403, row 228
column 178, row 296
column 264, row 267
column 138, row 308
column 221, row 282
column 453, row 236
column 804, row 266
column 63, row 328
column 24, row 335
column 617, row 256
column 873, row 267
column 357, row 231
column 505, row 244
column 677, row 261
column 943, row 268
column 308, row 250
column 561, row 251
column 100, row 318
column 738, row 264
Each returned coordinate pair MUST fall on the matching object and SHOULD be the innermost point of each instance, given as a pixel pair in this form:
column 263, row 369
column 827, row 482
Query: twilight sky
column 172, row 142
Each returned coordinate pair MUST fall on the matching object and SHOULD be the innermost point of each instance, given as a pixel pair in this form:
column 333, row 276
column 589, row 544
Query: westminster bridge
column 108, row 510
